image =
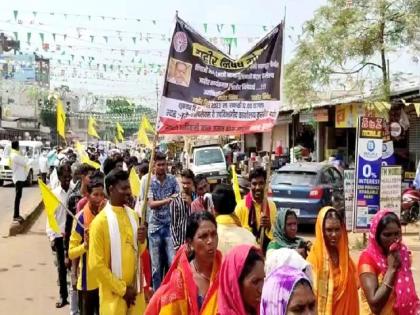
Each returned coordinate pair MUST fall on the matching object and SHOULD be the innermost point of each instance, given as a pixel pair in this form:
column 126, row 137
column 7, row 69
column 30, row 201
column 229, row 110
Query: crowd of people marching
column 199, row 252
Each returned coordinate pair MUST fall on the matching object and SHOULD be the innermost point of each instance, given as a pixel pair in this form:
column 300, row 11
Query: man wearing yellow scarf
column 114, row 251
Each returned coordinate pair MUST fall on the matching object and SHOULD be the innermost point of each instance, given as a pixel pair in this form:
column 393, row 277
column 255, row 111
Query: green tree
column 355, row 39
column 48, row 113
column 120, row 106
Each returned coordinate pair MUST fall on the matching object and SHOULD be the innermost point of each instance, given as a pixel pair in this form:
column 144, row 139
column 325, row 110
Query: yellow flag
column 120, row 132
column 134, row 182
column 51, row 204
column 84, row 157
column 417, row 107
column 92, row 128
column 235, row 185
column 61, row 119
column 142, row 138
column 145, row 123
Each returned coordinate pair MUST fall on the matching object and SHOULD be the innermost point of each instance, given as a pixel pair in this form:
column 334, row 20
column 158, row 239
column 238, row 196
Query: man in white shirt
column 57, row 240
column 43, row 165
column 18, row 166
column 229, row 228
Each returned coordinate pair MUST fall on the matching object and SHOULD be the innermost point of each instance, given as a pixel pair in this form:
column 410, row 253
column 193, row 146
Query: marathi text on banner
column 207, row 92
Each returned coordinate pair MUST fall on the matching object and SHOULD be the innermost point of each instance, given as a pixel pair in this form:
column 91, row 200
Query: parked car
column 210, row 161
column 30, row 149
column 307, row 187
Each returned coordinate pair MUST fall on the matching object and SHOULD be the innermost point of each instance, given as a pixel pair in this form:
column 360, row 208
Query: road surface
column 30, row 199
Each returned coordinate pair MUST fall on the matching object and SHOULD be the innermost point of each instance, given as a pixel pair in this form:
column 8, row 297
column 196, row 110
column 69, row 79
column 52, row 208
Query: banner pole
column 266, row 188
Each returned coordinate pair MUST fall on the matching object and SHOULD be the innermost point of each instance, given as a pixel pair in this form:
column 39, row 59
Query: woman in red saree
column 191, row 284
column 385, row 270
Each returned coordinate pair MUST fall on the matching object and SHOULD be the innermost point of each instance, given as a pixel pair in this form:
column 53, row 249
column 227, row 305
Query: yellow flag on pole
column 61, row 119
column 417, row 107
column 235, row 185
column 51, row 204
column 120, row 132
column 134, row 182
column 142, row 138
column 147, row 126
column 92, row 128
column 84, row 157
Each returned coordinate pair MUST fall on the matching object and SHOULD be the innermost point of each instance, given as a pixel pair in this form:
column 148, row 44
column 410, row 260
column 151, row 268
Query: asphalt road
column 30, row 199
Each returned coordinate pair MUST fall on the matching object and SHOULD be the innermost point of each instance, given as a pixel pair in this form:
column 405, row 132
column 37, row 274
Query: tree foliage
column 350, row 40
column 120, row 106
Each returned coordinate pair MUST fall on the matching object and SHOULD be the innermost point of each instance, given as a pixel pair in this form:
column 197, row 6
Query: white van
column 30, row 149
column 210, row 161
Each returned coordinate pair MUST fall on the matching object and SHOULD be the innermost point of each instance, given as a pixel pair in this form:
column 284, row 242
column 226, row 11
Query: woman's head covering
column 278, row 288
column 229, row 295
column 324, row 283
column 279, row 232
column 407, row 301
column 286, row 257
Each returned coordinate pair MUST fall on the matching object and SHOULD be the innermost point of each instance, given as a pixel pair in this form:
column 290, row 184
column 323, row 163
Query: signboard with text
column 391, row 189
column 368, row 171
column 349, row 198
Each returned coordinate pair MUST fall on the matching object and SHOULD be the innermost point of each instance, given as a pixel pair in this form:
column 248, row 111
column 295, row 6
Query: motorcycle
column 410, row 205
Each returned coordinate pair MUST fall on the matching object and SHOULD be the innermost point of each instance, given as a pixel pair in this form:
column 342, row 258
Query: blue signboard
column 388, row 156
column 20, row 68
column 368, row 171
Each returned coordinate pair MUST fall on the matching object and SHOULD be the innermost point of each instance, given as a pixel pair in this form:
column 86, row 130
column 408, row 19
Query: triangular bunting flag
column 28, row 37
column 205, row 25
column 219, row 27
column 42, row 37
column 15, row 14
column 92, row 38
column 233, row 28
column 53, row 35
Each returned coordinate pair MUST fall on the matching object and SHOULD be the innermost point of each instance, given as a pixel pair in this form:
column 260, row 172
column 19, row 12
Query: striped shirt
column 180, row 211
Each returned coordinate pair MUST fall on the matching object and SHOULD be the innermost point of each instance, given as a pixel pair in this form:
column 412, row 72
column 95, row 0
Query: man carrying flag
column 56, row 230
column 114, row 250
column 250, row 212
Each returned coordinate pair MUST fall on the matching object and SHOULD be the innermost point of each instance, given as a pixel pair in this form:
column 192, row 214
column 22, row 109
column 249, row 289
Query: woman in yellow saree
column 191, row 284
column 335, row 279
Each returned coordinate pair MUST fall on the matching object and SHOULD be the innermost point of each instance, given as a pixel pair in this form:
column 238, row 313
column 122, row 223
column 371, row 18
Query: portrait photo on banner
column 179, row 72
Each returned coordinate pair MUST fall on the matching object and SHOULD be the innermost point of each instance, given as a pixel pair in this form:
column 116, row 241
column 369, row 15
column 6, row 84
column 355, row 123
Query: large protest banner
column 207, row 92
column 368, row 171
